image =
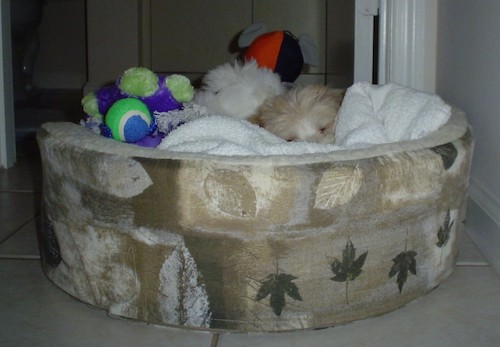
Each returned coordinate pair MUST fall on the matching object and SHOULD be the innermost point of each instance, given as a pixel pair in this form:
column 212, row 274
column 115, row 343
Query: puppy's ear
column 257, row 119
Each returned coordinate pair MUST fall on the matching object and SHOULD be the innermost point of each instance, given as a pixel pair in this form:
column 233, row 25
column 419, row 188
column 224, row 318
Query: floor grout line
column 215, row 340
column 472, row 264
column 5, row 239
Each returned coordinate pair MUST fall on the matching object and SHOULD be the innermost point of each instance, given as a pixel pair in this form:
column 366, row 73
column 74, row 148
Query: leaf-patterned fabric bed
column 264, row 243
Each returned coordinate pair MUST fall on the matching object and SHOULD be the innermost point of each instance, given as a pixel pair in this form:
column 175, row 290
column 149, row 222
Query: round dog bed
column 251, row 243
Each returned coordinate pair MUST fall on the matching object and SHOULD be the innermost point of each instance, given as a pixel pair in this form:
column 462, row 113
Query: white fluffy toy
column 237, row 90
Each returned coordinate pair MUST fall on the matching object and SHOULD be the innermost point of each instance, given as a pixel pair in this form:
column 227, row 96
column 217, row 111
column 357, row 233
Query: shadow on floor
column 45, row 105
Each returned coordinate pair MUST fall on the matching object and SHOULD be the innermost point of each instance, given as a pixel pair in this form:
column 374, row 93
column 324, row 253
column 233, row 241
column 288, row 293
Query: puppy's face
column 306, row 114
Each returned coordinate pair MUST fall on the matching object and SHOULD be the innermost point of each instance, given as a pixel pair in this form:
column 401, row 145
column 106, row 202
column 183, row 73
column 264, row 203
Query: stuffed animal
column 279, row 51
column 125, row 110
column 159, row 93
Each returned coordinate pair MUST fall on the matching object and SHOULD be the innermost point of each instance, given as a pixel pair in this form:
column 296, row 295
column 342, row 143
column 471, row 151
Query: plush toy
column 125, row 110
column 159, row 93
column 279, row 51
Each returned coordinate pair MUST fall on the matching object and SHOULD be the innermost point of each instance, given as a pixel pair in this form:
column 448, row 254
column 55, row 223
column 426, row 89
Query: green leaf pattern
column 279, row 285
column 444, row 231
column 276, row 286
column 403, row 262
column 349, row 268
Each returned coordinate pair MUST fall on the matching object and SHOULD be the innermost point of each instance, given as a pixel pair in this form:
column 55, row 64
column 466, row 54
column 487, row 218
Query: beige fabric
column 251, row 244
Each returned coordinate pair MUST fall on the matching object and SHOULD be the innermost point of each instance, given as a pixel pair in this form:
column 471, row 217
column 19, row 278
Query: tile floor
column 463, row 311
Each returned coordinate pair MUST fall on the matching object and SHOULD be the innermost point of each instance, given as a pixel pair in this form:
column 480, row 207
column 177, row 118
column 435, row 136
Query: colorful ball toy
column 279, row 51
column 129, row 120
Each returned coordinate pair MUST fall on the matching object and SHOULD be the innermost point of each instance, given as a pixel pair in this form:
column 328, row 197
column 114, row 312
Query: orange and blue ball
column 278, row 51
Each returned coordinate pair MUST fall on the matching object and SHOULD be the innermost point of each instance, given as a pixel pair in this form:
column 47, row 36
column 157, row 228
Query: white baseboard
column 482, row 223
column 486, row 201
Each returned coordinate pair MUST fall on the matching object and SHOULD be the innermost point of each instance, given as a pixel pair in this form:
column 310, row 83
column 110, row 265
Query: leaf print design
column 231, row 193
column 338, row 186
column 277, row 285
column 444, row 231
column 448, row 153
column 49, row 244
column 349, row 268
column 403, row 262
column 182, row 296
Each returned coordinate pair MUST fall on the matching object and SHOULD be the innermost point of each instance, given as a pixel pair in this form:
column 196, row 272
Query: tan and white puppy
column 302, row 114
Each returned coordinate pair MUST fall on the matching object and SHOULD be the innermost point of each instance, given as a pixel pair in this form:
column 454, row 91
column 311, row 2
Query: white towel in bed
column 369, row 115
column 372, row 114
column 223, row 135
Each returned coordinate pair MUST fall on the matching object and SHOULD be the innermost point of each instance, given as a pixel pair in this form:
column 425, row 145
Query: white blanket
column 224, row 135
column 369, row 115
column 373, row 114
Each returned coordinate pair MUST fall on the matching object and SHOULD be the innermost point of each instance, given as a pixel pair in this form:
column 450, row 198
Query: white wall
column 468, row 75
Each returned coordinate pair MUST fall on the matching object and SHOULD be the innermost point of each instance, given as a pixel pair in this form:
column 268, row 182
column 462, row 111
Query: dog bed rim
column 67, row 132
